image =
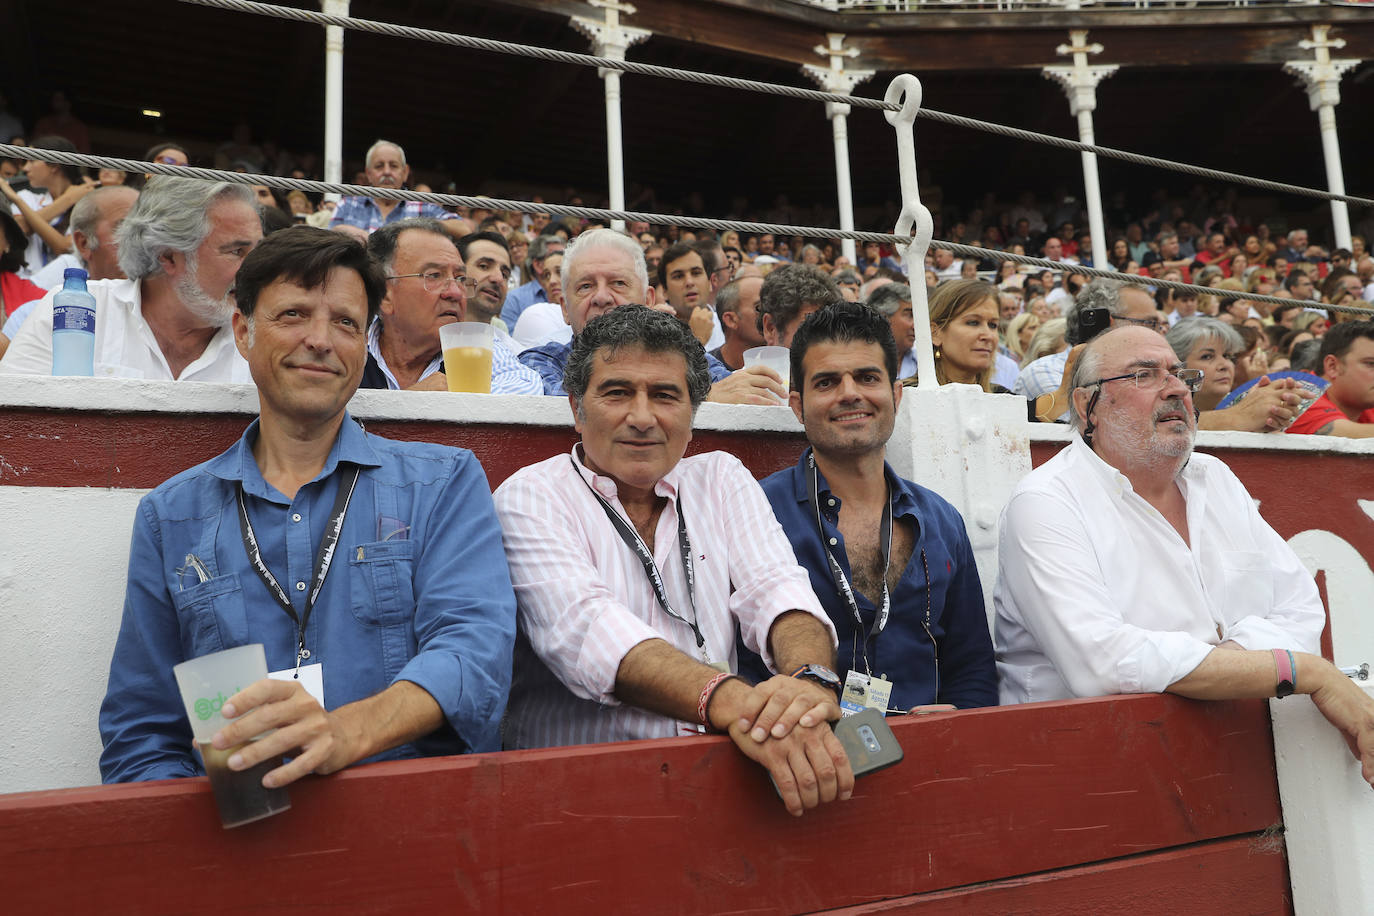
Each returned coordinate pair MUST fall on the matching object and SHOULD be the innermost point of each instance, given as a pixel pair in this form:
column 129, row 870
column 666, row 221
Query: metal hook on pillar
column 914, row 221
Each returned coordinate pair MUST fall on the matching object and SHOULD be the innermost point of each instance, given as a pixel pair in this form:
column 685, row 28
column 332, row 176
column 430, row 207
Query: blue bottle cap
column 76, row 272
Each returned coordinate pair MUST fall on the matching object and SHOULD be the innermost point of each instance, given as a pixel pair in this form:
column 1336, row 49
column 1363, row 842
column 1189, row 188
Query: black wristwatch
column 820, row 675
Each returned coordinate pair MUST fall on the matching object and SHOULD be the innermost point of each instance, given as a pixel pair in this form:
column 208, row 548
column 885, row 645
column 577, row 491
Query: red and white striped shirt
column 585, row 601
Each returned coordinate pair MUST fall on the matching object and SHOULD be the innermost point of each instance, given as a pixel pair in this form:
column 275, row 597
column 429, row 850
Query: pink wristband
column 1287, row 673
column 704, row 702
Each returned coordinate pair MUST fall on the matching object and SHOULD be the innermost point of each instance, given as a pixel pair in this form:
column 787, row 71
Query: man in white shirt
column 427, row 286
column 632, row 566
column 179, row 246
column 1128, row 564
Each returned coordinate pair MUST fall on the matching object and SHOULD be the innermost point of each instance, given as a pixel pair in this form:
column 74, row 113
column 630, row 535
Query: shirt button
column 300, row 586
column 295, row 516
column 830, row 501
column 833, row 542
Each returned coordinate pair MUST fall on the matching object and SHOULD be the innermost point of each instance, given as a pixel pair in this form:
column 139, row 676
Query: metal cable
column 84, row 160
column 729, row 82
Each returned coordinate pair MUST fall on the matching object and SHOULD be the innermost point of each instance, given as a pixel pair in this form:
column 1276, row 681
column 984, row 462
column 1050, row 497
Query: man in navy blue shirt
column 889, row 560
column 371, row 571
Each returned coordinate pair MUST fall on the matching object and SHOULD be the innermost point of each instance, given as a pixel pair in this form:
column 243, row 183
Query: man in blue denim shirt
column 933, row 645
column 414, row 619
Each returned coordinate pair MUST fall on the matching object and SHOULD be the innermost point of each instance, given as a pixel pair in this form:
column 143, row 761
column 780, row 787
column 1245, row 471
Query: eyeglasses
column 1153, row 379
column 436, row 280
column 1151, row 323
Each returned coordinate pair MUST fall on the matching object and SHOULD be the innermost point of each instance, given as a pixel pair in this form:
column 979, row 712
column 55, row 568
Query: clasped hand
column 783, row 725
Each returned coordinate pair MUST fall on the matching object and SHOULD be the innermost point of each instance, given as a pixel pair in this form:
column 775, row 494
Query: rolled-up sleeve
column 1051, row 585
column 465, row 609
column 763, row 567
column 143, row 725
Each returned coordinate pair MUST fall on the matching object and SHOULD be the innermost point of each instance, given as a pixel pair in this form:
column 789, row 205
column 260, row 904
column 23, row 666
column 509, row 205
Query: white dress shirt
column 124, row 344
column 541, row 323
column 585, row 601
column 1097, row 594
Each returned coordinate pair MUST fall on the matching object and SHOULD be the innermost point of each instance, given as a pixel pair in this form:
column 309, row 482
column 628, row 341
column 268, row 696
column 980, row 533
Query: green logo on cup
column 207, row 707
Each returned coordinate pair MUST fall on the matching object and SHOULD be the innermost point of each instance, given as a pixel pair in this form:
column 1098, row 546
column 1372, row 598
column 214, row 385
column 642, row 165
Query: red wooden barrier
column 44, row 448
column 689, row 826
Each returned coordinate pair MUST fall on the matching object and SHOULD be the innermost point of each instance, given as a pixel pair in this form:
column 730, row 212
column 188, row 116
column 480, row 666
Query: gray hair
column 1185, row 336
column 538, row 249
column 1088, row 369
column 367, row 158
column 601, row 238
column 727, row 299
column 172, row 214
column 635, row 326
column 1306, row 356
column 88, row 211
column 382, row 244
column 790, row 287
column 1100, row 293
column 888, row 298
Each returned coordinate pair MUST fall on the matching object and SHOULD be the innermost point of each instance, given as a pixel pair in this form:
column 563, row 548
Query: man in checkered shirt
column 386, row 168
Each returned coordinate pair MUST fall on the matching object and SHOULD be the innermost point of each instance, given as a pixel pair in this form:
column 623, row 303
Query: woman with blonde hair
column 964, row 319
column 1020, row 331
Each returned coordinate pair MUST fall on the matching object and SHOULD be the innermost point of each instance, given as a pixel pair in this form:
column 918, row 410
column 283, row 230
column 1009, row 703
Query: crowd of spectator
column 589, row 557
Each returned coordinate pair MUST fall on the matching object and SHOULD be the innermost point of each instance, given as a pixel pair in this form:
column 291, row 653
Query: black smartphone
column 1092, row 322
column 868, row 742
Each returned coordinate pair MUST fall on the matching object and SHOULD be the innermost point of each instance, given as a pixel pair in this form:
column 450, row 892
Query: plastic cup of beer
column 467, row 355
column 779, row 359
column 206, row 683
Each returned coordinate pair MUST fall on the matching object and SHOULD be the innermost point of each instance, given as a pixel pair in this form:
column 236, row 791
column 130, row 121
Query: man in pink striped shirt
column 632, row 566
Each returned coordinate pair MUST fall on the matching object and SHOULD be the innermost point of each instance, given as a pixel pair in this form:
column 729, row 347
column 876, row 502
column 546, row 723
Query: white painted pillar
column 837, row 79
column 1079, row 83
column 971, row 448
column 1321, row 78
column 611, row 39
column 333, row 91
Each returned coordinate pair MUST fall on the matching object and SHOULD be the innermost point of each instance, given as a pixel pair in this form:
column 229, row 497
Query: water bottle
column 73, row 326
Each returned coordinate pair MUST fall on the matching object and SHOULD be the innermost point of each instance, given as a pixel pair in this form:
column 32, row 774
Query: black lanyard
column 646, row 559
column 323, row 558
column 870, row 641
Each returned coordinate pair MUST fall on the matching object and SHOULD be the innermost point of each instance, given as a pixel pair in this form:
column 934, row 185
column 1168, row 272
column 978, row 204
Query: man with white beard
column 180, row 247
column 1128, row 564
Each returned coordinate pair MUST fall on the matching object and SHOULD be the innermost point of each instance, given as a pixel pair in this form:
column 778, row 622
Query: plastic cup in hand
column 467, row 355
column 779, row 359
column 206, row 683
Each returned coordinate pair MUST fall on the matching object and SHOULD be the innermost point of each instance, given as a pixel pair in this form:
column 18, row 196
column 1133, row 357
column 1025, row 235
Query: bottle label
column 73, row 318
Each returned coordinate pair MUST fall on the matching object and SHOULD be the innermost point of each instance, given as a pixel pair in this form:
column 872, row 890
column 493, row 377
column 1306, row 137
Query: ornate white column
column 1079, row 83
column 1322, row 78
column 333, row 91
column 835, row 78
column 611, row 39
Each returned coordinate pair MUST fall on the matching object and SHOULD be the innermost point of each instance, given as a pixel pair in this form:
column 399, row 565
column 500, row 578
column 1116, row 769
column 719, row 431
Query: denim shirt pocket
column 211, row 616
column 381, row 583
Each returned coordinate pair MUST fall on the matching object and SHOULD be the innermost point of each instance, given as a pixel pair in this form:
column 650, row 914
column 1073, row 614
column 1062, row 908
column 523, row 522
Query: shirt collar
column 238, row 464
column 667, row 486
column 902, row 501
column 1108, row 475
